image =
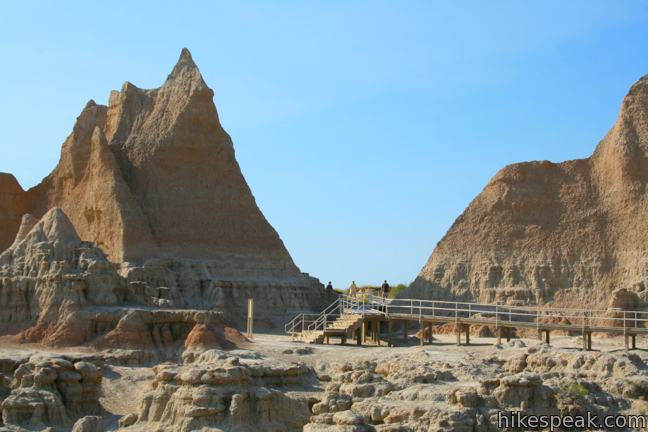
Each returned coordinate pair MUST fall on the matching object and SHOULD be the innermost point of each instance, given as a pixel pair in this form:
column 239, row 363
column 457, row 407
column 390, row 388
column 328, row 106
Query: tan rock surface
column 153, row 174
column 151, row 183
column 541, row 232
column 52, row 390
column 13, row 204
column 228, row 391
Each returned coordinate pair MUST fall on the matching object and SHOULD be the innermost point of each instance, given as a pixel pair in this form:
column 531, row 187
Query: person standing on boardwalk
column 353, row 289
column 384, row 290
column 329, row 288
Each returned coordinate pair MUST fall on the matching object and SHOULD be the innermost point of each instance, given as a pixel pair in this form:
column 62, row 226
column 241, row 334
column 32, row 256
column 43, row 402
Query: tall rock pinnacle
column 154, row 175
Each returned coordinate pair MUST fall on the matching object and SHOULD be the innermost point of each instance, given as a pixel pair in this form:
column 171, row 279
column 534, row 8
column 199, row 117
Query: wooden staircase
column 340, row 319
column 342, row 326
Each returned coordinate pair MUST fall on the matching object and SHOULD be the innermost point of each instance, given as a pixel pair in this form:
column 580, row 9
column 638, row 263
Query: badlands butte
column 124, row 277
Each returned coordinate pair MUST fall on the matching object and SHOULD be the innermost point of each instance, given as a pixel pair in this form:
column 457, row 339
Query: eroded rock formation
column 569, row 233
column 49, row 390
column 153, row 174
column 420, row 392
column 229, row 391
column 151, row 211
column 59, row 290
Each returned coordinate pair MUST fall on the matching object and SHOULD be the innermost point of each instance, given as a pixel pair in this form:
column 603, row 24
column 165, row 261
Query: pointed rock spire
column 26, row 225
column 185, row 70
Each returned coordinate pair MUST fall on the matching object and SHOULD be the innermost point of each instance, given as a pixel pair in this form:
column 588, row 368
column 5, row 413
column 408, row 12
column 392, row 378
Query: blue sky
column 363, row 128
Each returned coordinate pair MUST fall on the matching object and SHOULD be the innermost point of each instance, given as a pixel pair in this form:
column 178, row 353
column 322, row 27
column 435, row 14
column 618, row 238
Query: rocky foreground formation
column 152, row 212
column 416, row 392
column 62, row 291
column 569, row 233
column 241, row 390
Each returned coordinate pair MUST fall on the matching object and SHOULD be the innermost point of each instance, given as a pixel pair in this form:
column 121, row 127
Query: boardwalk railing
column 317, row 322
column 509, row 315
column 610, row 320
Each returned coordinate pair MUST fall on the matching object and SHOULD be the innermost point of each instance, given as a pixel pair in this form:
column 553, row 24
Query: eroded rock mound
column 48, row 276
column 59, row 290
column 229, row 392
column 51, row 391
column 414, row 392
column 541, row 232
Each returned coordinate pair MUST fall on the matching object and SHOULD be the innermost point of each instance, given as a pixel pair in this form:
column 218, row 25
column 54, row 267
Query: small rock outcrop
column 227, row 391
column 53, row 391
column 564, row 233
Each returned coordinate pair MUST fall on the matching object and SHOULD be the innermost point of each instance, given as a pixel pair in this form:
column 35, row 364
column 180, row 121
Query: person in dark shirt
column 329, row 288
column 384, row 290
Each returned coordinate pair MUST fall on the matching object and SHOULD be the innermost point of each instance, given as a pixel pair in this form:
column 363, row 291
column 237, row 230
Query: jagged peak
column 184, row 62
column 185, row 70
column 56, row 225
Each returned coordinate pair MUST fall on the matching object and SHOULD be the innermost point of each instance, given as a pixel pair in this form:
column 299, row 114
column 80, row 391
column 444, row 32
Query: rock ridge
column 567, row 233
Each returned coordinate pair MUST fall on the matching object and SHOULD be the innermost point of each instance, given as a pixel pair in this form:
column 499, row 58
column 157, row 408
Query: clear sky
column 364, row 128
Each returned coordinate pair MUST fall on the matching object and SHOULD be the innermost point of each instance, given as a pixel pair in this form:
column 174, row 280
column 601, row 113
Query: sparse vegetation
column 394, row 291
column 577, row 389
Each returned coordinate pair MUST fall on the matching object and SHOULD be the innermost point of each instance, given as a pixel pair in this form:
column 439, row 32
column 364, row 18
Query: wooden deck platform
column 352, row 318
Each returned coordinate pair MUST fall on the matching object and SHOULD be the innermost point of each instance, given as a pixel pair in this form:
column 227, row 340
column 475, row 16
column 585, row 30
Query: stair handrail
column 292, row 324
column 299, row 323
column 323, row 316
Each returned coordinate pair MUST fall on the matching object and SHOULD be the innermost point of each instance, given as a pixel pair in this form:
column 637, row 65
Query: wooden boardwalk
column 366, row 319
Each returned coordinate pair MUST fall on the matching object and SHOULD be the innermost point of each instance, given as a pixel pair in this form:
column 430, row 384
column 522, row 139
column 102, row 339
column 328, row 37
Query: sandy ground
column 443, row 346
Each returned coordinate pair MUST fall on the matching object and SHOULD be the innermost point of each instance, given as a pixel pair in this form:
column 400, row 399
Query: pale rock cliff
column 568, row 234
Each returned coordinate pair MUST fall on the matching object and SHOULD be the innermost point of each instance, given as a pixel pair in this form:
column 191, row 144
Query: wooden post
column 508, row 334
column 499, row 335
column 421, row 332
column 430, row 336
column 377, row 332
column 328, row 339
column 584, row 341
column 363, row 328
column 405, row 330
column 250, row 317
column 634, row 341
column 547, row 336
column 627, row 344
column 539, row 334
column 458, row 333
column 467, row 327
column 358, row 334
column 589, row 341
column 390, row 340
